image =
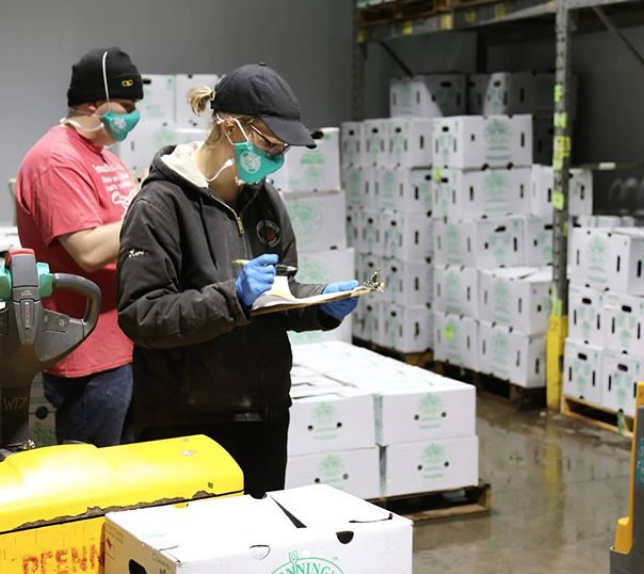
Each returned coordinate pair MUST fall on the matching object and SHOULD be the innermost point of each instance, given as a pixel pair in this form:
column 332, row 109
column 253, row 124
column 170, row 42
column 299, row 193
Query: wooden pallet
column 447, row 504
column 420, row 359
column 521, row 398
column 596, row 416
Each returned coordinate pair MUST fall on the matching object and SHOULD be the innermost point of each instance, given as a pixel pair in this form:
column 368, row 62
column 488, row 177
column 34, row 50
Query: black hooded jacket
column 199, row 356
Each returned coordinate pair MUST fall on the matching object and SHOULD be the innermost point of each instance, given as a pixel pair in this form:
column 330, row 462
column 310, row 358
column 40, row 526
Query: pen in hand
column 279, row 267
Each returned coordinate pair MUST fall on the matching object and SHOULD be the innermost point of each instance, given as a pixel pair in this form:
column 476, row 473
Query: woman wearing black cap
column 202, row 364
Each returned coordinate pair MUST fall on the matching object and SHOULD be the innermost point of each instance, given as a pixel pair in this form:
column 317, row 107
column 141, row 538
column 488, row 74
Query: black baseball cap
column 88, row 85
column 259, row 91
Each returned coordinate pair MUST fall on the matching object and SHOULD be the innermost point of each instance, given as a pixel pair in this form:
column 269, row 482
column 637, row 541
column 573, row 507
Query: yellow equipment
column 52, row 500
column 627, row 556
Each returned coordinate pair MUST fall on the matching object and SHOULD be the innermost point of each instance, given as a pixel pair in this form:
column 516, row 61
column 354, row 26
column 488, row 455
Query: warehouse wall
column 307, row 41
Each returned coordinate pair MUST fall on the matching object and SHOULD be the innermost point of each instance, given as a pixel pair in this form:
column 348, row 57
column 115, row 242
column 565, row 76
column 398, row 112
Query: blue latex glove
column 340, row 309
column 256, row 277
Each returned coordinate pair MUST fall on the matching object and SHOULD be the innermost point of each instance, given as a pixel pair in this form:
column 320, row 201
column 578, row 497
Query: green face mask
column 119, row 125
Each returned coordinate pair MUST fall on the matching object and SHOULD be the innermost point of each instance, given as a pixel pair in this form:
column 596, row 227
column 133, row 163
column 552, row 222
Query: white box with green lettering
column 406, row 236
column 476, row 142
column 456, row 340
column 583, row 366
column 586, row 315
column 375, row 151
column 482, row 193
column 408, row 283
column 511, row 355
column 456, row 290
column 620, row 376
column 409, row 142
column 407, row 329
column 538, row 241
column 312, row 169
column 352, row 144
column 308, row 529
column 325, row 419
column 516, row 297
column 430, row 466
column 430, row 95
column 352, row 180
column 624, row 324
column 356, row 472
column 404, row 190
column 318, row 219
column 159, row 98
column 370, row 236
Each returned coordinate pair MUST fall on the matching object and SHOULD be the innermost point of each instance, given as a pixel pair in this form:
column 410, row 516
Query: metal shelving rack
column 479, row 17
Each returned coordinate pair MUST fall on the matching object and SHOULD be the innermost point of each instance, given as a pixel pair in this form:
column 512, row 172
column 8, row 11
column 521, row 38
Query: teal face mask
column 119, row 125
column 254, row 164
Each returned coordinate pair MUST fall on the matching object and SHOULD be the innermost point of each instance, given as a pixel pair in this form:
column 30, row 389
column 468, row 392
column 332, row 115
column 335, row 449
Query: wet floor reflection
column 558, row 488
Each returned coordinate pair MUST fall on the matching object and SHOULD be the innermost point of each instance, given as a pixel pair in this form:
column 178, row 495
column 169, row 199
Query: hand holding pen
column 279, row 267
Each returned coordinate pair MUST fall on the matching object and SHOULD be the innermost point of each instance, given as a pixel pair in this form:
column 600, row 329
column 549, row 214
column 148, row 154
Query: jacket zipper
column 238, row 217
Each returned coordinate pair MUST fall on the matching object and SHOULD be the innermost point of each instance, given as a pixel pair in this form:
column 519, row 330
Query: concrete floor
column 558, row 488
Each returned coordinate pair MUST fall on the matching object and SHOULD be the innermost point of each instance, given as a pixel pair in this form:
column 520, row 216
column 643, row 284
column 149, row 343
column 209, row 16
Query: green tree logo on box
column 496, row 190
column 433, row 461
column 452, row 288
column 325, row 418
column 501, row 301
column 332, row 471
column 388, row 198
column 430, row 409
column 307, row 221
column 582, row 373
column 498, row 135
column 499, row 244
column 404, row 96
column 354, row 185
column 453, row 241
column 297, row 565
column 495, row 100
column 445, row 142
column 598, row 259
column 626, row 325
column 500, row 350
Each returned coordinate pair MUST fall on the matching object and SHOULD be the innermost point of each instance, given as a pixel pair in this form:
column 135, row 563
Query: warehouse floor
column 558, row 488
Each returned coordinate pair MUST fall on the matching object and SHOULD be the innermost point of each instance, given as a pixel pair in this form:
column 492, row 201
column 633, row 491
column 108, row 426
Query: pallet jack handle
column 627, row 555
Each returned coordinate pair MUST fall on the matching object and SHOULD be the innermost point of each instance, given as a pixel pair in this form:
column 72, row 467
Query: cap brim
column 291, row 132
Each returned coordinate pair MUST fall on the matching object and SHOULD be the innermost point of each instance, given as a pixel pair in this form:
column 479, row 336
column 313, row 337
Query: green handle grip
column 45, row 281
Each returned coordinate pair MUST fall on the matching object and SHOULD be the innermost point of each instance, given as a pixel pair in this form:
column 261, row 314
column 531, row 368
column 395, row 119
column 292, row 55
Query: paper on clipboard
column 280, row 298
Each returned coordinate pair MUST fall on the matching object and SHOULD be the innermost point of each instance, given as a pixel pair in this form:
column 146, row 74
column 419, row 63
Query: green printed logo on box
column 501, row 302
column 453, row 240
column 496, row 189
column 301, row 565
column 433, row 461
column 498, row 135
column 326, row 425
column 332, row 471
column 598, row 259
column 388, row 189
column 307, row 220
column 430, row 409
column 500, row 349
column 452, row 283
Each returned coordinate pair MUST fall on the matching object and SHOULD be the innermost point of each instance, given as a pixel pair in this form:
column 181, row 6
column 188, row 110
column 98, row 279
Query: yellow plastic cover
column 61, row 483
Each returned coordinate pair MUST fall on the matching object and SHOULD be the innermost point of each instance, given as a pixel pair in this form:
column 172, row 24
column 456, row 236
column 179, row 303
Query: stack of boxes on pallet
column 310, row 186
column 166, row 118
column 387, row 174
column 604, row 355
column 376, row 427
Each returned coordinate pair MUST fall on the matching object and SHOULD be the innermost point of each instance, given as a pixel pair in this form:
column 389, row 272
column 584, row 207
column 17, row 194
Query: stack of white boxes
column 386, row 170
column 166, row 118
column 309, row 183
column 374, row 426
column 604, row 356
column 492, row 246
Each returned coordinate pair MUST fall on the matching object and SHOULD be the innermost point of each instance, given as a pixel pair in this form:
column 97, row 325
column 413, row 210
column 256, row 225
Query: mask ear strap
column 221, row 121
column 107, row 90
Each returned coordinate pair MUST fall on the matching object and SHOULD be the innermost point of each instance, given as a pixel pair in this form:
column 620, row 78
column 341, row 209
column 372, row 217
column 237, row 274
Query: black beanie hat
column 87, row 85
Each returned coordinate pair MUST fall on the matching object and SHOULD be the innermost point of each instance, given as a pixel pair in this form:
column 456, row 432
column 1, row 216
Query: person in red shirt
column 71, row 196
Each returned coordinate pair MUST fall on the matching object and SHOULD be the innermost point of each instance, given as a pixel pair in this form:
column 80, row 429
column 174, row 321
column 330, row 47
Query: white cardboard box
column 624, row 323
column 407, row 329
column 609, row 259
column 456, row 290
column 326, row 266
column 312, row 169
column 430, row 466
column 408, row 283
column 580, row 193
column 409, row 142
column 482, row 193
column 343, row 534
column 538, row 241
column 407, row 236
column 587, row 317
column 404, row 190
column 318, row 219
column 352, row 226
column 342, row 333
column 158, row 103
column 583, row 372
column 183, row 84
column 366, row 321
column 370, row 235
column 139, row 149
column 456, row 340
column 620, row 374
column 353, row 182
column 512, row 356
column 331, row 418
column 430, row 96
column 356, row 472
column 516, row 297
column 352, row 144
column 474, row 142
column 437, row 409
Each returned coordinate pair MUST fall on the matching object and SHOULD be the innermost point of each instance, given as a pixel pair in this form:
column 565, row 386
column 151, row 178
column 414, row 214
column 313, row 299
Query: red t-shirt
column 66, row 184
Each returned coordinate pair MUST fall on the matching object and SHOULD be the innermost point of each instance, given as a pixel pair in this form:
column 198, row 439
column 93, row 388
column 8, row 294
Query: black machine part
column 33, row 338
